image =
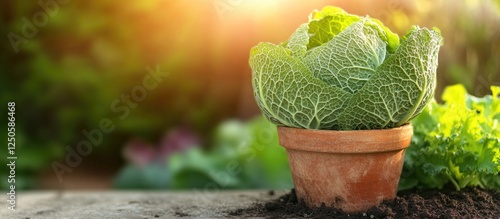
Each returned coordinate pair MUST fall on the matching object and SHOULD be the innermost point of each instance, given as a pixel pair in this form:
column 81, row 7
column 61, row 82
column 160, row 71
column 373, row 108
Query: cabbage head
column 345, row 72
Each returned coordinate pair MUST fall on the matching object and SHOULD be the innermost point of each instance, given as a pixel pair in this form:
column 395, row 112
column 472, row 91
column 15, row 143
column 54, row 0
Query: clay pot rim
column 346, row 141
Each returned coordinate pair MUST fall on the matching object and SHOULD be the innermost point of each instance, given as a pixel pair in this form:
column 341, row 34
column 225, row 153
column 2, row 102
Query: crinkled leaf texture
column 344, row 72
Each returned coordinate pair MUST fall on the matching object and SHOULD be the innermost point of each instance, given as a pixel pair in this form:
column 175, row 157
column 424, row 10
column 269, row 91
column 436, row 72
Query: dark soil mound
column 445, row 203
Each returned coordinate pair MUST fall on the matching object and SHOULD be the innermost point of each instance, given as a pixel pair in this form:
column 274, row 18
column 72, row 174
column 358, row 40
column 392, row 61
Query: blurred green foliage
column 242, row 155
column 65, row 79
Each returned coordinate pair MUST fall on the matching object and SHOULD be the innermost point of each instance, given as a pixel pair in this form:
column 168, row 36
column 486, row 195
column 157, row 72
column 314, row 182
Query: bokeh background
column 70, row 64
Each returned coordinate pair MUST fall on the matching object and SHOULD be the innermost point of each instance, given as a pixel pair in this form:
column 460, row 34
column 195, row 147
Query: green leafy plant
column 456, row 142
column 343, row 72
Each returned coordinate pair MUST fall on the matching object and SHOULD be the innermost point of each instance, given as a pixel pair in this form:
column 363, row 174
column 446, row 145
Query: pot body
column 350, row 170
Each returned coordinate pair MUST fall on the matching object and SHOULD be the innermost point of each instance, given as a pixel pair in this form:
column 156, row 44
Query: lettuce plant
column 344, row 72
column 457, row 142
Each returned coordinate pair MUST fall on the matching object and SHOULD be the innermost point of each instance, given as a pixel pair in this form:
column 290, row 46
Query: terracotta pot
column 350, row 170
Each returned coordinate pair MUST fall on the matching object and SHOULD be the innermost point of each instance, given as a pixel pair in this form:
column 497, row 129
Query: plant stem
column 457, row 187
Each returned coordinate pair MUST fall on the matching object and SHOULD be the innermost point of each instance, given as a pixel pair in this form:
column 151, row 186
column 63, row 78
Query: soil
column 444, row 203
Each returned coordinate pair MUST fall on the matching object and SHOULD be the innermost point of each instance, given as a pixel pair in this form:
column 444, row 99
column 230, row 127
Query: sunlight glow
column 260, row 3
column 258, row 6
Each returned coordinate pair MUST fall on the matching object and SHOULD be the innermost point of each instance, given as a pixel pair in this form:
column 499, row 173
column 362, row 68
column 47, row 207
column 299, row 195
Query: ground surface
column 136, row 205
column 447, row 203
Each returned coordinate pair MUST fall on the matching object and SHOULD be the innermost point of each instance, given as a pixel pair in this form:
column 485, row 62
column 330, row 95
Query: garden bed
column 444, row 203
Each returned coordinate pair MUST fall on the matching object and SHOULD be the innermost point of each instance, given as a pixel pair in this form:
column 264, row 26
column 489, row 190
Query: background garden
column 199, row 127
